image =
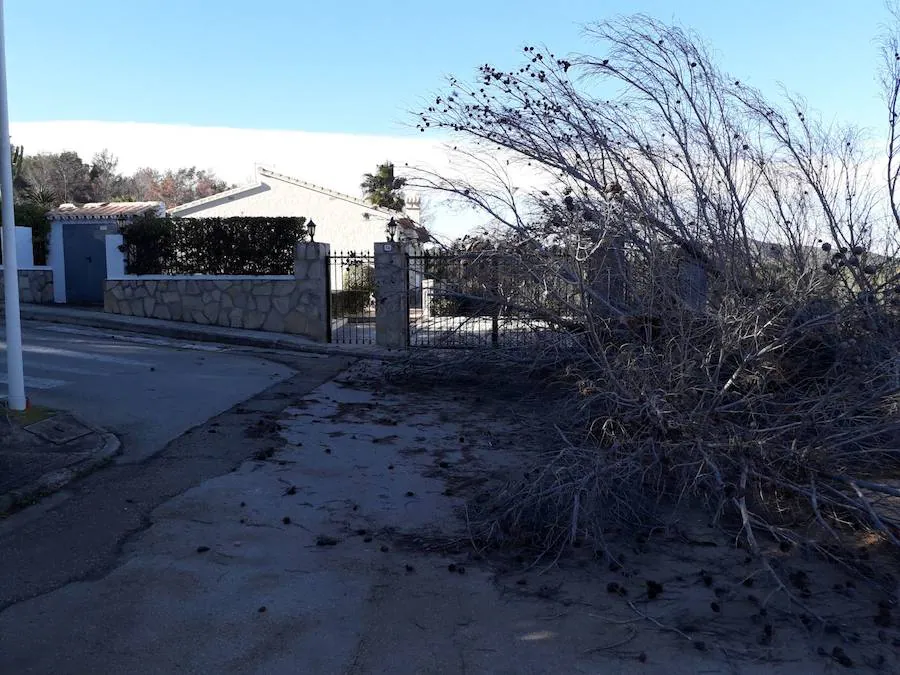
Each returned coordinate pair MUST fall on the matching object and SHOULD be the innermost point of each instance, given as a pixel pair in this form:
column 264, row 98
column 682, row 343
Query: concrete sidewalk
column 199, row 333
column 41, row 451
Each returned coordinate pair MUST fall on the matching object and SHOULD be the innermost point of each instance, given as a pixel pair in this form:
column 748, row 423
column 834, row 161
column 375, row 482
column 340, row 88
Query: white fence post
column 115, row 258
column 24, row 251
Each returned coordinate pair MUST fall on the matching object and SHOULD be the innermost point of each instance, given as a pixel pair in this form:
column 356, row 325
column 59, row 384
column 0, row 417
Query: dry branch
column 734, row 338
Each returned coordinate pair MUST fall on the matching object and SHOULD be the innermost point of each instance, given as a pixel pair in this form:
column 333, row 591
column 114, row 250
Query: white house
column 347, row 223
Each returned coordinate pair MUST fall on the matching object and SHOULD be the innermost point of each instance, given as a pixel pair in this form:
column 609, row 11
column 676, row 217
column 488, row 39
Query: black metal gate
column 351, row 278
column 476, row 299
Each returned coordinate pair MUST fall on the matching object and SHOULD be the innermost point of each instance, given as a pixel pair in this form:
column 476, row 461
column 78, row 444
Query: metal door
column 84, row 246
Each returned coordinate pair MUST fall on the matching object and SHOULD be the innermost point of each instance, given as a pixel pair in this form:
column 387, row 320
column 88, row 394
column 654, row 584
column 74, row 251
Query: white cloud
column 336, row 161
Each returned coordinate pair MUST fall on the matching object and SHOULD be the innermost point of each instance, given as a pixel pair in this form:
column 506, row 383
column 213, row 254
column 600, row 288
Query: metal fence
column 484, row 299
column 351, row 290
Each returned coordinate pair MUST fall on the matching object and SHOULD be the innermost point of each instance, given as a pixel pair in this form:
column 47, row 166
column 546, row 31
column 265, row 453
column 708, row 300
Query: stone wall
column 282, row 304
column 35, row 286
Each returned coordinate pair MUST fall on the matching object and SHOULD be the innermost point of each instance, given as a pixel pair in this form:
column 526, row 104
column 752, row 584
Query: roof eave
column 326, row 191
column 212, row 199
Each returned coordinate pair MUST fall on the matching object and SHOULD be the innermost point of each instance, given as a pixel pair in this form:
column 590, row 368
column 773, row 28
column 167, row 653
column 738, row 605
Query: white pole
column 15, row 370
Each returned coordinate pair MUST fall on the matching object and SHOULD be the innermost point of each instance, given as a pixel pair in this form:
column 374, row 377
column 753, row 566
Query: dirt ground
column 713, row 608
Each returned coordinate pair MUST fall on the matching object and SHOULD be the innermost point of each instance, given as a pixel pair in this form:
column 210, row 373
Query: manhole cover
column 60, row 429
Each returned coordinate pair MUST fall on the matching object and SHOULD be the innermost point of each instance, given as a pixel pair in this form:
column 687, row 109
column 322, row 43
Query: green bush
column 358, row 287
column 149, row 246
column 359, row 277
column 348, row 303
column 34, row 216
column 251, row 246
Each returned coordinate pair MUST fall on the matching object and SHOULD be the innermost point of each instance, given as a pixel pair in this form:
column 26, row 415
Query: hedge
column 240, row 245
column 34, row 216
column 358, row 287
column 350, row 303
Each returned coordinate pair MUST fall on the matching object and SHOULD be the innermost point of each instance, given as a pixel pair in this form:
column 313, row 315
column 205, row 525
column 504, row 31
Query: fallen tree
column 729, row 263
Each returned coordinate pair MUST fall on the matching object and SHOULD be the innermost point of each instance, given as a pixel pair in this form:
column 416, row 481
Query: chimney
column 413, row 207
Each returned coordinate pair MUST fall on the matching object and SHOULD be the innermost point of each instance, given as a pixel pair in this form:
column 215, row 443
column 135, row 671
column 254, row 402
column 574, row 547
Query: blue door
column 84, row 245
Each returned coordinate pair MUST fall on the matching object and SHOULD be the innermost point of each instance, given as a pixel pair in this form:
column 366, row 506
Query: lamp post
column 15, row 369
column 392, row 229
column 311, row 228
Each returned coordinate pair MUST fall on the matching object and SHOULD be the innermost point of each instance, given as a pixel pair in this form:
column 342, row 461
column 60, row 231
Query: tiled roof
column 104, row 210
column 326, row 191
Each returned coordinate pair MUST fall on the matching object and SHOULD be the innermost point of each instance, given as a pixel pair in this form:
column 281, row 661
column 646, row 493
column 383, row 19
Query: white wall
column 339, row 222
column 24, row 251
column 56, row 259
column 115, row 258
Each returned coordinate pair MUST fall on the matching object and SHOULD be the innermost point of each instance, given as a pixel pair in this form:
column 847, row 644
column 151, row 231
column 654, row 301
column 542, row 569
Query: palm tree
column 383, row 188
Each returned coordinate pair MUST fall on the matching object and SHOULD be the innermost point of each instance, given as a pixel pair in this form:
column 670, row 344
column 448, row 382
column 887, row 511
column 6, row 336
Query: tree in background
column 51, row 179
column 175, row 187
column 63, row 175
column 107, row 185
column 30, row 207
column 143, row 183
column 18, row 154
column 383, row 188
column 44, row 181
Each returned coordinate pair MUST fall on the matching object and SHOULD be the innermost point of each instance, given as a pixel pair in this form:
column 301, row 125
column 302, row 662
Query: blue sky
column 356, row 67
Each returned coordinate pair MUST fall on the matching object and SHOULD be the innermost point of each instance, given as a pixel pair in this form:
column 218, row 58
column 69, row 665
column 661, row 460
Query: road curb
column 108, row 446
column 186, row 332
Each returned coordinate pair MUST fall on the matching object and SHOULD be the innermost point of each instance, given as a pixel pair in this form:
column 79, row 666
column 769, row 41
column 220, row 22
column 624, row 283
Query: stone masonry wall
column 35, row 286
column 281, row 304
column 277, row 305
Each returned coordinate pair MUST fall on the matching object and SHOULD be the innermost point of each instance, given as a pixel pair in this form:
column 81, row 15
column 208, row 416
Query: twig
column 632, row 634
column 658, row 624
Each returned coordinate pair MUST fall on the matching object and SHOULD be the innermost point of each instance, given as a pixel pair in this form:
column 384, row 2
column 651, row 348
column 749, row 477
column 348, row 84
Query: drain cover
column 60, row 429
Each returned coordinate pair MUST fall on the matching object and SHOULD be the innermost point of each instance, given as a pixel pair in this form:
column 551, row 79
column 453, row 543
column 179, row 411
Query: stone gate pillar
column 608, row 277
column 311, row 274
column 391, row 296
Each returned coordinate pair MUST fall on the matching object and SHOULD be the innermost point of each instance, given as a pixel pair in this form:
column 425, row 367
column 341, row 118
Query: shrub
column 358, row 287
column 240, row 245
column 359, row 277
column 349, row 303
column 149, row 246
column 34, row 216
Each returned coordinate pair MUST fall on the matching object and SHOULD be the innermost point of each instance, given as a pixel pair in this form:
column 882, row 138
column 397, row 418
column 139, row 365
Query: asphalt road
column 147, row 391
column 188, row 413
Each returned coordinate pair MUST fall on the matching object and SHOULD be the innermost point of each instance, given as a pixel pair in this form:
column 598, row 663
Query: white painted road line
column 156, row 342
column 163, row 342
column 37, row 382
column 54, row 368
column 87, row 356
column 69, row 330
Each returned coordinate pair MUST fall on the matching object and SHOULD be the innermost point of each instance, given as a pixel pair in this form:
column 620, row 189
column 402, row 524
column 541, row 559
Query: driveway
column 146, row 391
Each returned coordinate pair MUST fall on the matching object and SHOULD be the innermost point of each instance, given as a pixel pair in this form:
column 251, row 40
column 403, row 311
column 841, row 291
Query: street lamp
column 392, row 229
column 15, row 370
column 311, row 228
